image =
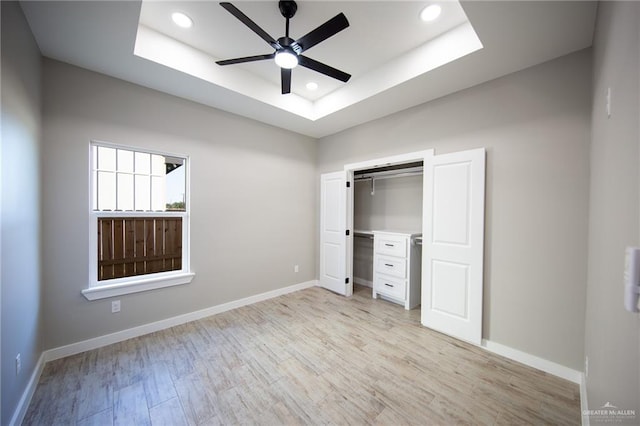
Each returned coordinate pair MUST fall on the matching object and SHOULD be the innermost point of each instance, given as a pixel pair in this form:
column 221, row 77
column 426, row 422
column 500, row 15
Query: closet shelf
column 366, row 233
column 360, row 233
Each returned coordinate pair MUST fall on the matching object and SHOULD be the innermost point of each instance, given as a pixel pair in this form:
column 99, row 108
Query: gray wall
column 612, row 334
column 396, row 206
column 20, row 221
column 535, row 125
column 253, row 192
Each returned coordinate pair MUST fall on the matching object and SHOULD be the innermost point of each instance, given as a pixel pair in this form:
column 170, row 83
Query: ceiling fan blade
column 249, row 23
column 246, row 59
column 323, row 32
column 323, row 68
column 285, row 74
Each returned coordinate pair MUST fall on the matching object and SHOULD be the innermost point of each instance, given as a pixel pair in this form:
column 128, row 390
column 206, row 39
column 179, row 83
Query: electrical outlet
column 586, row 366
column 18, row 364
column 296, row 268
column 115, row 306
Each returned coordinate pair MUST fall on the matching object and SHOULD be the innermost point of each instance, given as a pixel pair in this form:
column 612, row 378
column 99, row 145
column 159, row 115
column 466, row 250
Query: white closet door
column 453, row 242
column 333, row 239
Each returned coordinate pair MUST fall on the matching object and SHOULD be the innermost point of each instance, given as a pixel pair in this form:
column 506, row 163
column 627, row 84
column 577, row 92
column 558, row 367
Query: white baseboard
column 584, row 401
column 25, row 399
column 119, row 336
column 533, row 361
column 363, row 282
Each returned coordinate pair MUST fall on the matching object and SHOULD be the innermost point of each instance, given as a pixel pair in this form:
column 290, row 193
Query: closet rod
column 388, row 176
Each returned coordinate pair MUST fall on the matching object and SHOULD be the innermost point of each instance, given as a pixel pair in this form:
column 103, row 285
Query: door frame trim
column 390, row 160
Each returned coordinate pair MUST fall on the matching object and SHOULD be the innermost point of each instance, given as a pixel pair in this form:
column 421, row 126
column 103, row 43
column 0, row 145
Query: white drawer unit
column 388, row 265
column 389, row 286
column 396, row 267
column 390, row 244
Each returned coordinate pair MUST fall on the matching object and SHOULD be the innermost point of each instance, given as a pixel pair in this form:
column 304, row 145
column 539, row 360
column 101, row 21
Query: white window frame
column 120, row 286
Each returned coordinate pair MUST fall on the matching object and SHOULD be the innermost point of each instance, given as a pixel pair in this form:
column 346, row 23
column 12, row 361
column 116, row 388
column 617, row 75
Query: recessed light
column 182, row 20
column 430, row 13
column 312, row 86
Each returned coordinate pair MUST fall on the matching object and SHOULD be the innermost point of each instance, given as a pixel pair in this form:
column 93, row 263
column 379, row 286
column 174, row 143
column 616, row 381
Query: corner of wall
column 612, row 335
column 20, row 195
column 584, row 401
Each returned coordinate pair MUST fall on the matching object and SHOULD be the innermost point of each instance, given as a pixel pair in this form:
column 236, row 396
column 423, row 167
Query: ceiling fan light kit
column 288, row 52
column 286, row 59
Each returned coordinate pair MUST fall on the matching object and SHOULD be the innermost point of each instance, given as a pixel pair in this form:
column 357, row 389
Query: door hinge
column 348, row 184
column 347, row 232
column 346, row 280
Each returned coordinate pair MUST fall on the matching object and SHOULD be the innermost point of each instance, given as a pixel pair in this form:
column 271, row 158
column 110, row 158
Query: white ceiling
column 381, row 61
column 396, row 60
column 355, row 50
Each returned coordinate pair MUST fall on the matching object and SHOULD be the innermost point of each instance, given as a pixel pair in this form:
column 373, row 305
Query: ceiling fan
column 288, row 52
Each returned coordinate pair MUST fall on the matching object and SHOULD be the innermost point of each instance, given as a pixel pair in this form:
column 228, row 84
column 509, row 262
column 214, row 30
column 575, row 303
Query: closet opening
column 387, row 232
column 394, row 201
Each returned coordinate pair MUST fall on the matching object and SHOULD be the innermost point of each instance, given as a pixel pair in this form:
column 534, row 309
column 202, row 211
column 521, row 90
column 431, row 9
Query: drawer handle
column 389, row 265
column 389, row 245
column 388, row 285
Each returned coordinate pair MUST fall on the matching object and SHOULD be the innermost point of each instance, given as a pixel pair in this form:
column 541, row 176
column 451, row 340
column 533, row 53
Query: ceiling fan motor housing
column 288, row 43
column 288, row 8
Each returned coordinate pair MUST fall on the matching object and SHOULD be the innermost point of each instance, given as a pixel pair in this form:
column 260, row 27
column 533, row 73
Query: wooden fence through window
column 129, row 246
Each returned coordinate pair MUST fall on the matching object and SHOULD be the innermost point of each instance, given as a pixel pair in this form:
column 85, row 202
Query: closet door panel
column 450, row 289
column 453, row 244
column 333, row 240
column 451, row 199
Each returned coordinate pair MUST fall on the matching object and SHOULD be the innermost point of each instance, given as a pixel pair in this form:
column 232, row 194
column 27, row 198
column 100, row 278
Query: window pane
column 143, row 191
column 106, row 158
column 94, row 189
column 125, row 191
column 157, row 165
column 143, row 163
column 106, row 191
column 157, row 193
column 139, row 262
column 137, row 181
column 175, row 189
column 125, row 161
column 94, row 157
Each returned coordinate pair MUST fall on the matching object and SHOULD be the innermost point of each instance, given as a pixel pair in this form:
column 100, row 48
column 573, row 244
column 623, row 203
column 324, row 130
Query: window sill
column 137, row 285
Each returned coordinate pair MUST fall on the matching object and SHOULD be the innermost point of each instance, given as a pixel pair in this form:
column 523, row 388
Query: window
column 139, row 221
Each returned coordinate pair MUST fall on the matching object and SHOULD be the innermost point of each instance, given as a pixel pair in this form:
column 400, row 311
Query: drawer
column 391, row 266
column 391, row 245
column 389, row 286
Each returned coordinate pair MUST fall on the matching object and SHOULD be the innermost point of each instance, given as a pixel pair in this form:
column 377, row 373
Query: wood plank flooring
column 310, row 357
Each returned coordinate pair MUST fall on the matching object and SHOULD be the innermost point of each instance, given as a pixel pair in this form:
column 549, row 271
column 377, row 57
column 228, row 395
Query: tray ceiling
column 396, row 60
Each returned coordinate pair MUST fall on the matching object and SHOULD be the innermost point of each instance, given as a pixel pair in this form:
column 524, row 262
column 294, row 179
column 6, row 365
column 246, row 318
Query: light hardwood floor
column 310, row 357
